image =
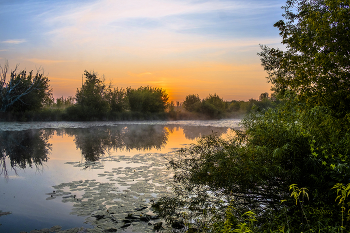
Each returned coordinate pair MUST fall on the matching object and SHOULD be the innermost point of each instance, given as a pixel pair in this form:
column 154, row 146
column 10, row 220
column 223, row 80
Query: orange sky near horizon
column 185, row 47
column 228, row 81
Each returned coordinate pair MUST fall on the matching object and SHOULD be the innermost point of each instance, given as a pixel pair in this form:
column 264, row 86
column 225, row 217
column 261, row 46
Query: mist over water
column 115, row 166
column 19, row 126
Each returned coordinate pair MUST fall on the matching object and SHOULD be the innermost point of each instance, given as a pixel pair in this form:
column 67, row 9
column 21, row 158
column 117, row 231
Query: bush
column 23, row 92
column 192, row 103
column 147, row 99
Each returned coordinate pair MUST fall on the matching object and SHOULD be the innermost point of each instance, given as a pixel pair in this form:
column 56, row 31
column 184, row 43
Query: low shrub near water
column 253, row 172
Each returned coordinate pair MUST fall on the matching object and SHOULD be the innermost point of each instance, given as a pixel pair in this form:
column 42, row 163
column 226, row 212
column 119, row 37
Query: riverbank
column 56, row 114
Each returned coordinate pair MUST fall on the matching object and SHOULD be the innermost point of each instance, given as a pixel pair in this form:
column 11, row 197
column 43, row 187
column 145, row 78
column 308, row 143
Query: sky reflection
column 61, row 156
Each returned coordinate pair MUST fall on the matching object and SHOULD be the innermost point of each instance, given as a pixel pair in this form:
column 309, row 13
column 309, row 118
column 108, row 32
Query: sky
column 184, row 46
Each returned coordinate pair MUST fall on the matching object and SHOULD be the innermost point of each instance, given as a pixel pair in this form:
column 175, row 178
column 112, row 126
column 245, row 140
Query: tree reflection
column 96, row 141
column 30, row 147
column 196, row 132
column 23, row 148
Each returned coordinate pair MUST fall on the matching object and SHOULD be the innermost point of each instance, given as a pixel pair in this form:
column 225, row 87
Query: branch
column 8, row 99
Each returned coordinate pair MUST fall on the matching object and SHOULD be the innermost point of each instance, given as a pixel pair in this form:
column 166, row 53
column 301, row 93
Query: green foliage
column 98, row 101
column 147, row 99
column 192, row 103
column 233, row 106
column 213, row 106
column 23, row 92
column 315, row 65
column 304, row 139
column 117, row 99
column 296, row 192
column 92, row 97
column 343, row 191
column 254, row 167
column 264, row 96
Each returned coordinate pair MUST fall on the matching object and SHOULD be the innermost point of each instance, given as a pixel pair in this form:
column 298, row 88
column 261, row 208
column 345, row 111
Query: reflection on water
column 94, row 142
column 31, row 147
column 126, row 170
column 195, row 132
column 23, row 148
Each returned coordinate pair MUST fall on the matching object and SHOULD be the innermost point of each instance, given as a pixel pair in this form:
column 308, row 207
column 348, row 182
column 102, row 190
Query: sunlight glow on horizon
column 186, row 47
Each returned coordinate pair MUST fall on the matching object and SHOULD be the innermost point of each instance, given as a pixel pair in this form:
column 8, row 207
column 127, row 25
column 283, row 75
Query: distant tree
column 65, row 102
column 264, row 96
column 192, row 103
column 247, row 106
column 147, row 99
column 213, row 106
column 59, row 102
column 117, row 99
column 69, row 101
column 23, row 92
column 92, row 97
column 233, row 106
column 171, row 106
column 216, row 101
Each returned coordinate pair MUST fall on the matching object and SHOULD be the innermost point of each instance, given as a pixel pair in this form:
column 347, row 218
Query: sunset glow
column 185, row 47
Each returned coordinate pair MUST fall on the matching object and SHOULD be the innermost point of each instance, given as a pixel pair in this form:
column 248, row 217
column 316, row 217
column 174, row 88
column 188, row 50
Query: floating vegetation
column 4, row 213
column 123, row 201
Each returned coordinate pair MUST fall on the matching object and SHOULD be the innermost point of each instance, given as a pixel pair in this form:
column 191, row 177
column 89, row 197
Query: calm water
column 70, row 174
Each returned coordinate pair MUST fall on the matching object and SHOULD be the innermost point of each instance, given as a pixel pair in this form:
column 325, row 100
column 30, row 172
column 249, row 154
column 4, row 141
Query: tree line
column 29, row 97
column 214, row 106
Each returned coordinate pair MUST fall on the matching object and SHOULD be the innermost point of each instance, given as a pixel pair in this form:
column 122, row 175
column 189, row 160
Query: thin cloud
column 166, row 27
column 106, row 16
column 14, row 41
column 45, row 61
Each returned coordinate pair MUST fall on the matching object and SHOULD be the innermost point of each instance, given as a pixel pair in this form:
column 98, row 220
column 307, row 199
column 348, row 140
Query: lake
column 90, row 175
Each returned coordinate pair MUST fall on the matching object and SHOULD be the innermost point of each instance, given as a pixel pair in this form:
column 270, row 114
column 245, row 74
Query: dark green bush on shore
column 23, row 91
column 214, row 107
column 147, row 99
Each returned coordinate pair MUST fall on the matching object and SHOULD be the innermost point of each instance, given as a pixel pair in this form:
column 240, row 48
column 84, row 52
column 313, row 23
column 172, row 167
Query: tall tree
column 315, row 65
column 192, row 103
column 92, row 97
column 23, row 91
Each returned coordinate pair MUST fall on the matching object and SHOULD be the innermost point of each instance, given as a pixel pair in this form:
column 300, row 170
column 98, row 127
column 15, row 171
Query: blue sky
column 186, row 47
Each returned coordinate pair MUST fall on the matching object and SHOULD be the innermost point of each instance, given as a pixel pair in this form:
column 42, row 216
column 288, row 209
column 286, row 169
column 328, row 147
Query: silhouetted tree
column 234, row 106
column 192, row 103
column 263, row 96
column 147, row 99
column 117, row 99
column 23, row 91
column 92, row 96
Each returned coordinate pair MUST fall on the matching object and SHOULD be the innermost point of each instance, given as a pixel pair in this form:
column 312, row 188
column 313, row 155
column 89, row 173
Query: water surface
column 71, row 173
